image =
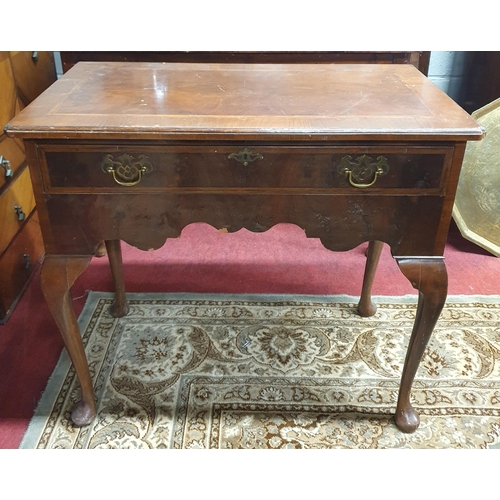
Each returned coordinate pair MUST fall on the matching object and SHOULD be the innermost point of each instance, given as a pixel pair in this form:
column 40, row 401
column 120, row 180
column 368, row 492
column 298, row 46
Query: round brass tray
column 477, row 203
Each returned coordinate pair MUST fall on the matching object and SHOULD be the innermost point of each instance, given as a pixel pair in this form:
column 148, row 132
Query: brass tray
column 477, row 203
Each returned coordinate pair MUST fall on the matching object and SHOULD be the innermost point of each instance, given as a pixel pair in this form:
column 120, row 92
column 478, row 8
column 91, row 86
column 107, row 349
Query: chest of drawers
column 23, row 76
column 350, row 153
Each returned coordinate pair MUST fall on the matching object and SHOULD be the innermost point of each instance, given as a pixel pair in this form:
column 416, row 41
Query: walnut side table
column 350, row 153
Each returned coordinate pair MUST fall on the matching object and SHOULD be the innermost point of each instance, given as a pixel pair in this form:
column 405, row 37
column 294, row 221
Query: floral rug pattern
column 237, row 371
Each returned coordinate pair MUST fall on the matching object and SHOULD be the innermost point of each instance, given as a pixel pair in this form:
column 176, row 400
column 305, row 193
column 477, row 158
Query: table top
column 115, row 100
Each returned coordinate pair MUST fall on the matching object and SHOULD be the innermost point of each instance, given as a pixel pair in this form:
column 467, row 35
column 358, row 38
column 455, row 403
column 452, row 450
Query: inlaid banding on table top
column 301, row 100
column 86, row 168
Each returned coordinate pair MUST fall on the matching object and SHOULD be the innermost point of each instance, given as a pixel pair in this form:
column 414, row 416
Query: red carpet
column 203, row 260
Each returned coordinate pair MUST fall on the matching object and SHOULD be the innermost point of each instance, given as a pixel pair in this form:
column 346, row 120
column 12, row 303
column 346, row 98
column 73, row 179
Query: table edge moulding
column 350, row 153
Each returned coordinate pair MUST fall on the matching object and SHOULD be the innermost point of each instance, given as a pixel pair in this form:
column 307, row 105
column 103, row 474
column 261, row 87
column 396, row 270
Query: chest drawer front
column 7, row 90
column 16, row 205
column 12, row 157
column 243, row 167
column 17, row 264
column 33, row 72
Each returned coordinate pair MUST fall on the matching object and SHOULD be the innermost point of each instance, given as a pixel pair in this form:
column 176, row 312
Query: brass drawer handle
column 363, row 168
column 245, row 156
column 19, row 212
column 126, row 171
column 5, row 164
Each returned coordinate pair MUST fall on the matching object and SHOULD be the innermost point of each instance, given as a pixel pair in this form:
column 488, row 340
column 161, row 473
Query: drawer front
column 18, row 263
column 16, row 204
column 33, row 72
column 87, row 168
column 11, row 157
column 7, row 91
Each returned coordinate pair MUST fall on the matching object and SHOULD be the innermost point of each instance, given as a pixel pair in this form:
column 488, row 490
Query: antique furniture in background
column 419, row 59
column 23, row 76
column 482, row 80
column 349, row 153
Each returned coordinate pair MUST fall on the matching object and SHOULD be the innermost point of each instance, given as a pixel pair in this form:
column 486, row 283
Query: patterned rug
column 255, row 371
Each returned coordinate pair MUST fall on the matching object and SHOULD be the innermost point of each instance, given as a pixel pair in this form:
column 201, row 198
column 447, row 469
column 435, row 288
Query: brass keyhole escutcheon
column 245, row 156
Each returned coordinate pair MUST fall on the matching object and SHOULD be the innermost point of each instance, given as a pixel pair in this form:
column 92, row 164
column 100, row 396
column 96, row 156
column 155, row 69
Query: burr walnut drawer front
column 316, row 168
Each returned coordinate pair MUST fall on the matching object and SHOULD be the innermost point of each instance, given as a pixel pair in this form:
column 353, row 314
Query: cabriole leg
column 430, row 278
column 58, row 273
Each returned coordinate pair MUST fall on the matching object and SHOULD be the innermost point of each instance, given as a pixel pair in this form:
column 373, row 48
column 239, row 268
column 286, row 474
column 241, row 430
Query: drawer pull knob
column 5, row 164
column 20, row 214
column 126, row 170
column 245, row 156
column 362, row 169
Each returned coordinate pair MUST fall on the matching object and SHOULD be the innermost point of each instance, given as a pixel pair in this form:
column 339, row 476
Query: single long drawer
column 89, row 168
column 15, row 206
